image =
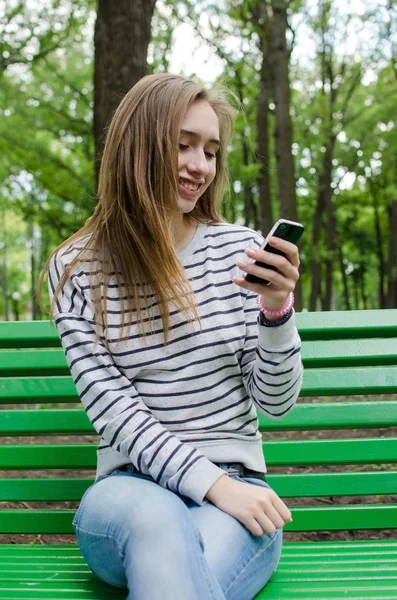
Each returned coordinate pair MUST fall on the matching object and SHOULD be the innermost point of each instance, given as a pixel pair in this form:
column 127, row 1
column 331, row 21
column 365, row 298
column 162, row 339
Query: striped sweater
column 174, row 411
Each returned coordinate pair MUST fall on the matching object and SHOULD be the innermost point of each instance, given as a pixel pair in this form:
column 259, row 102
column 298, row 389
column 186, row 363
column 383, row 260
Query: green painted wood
column 94, row 589
column 287, row 486
column 38, row 389
column 318, row 518
column 324, row 590
column 35, row 362
column 72, row 421
column 317, row 354
column 28, row 334
column 277, row 453
column 349, row 353
column 339, row 518
column 334, row 484
column 26, row 568
column 48, row 456
column 36, row 521
column 37, row 490
column 334, row 415
column 328, row 452
column 348, row 382
column 312, row 325
column 340, row 415
column 351, row 324
column 318, row 382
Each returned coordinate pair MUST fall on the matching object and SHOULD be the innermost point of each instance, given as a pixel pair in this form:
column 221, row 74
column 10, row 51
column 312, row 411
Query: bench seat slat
column 277, row 453
column 287, row 571
column 316, row 518
column 324, row 590
column 22, row 557
column 287, row 486
column 317, row 382
column 339, row 415
column 91, row 589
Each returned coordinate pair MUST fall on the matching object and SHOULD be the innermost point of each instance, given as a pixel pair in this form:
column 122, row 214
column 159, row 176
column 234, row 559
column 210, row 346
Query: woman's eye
column 210, row 154
column 182, row 146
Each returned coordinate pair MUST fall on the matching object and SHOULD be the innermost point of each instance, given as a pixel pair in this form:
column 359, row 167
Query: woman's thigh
column 241, row 562
column 128, row 514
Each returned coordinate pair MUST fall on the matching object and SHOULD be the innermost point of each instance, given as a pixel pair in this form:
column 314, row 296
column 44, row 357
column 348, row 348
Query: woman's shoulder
column 233, row 233
column 76, row 249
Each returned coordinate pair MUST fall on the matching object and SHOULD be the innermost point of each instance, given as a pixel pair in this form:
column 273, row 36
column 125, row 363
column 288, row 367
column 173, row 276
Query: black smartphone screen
column 287, row 230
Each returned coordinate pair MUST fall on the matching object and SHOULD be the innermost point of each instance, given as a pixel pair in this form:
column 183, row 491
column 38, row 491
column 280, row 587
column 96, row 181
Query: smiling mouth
column 193, row 187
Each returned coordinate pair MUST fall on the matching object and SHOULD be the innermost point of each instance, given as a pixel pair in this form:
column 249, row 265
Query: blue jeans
column 135, row 534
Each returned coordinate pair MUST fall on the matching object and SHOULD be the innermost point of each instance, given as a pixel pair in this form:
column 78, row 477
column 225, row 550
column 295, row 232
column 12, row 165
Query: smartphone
column 287, row 230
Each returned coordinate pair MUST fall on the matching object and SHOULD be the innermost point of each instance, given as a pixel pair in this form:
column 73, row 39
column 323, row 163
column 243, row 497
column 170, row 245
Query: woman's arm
column 113, row 404
column 271, row 362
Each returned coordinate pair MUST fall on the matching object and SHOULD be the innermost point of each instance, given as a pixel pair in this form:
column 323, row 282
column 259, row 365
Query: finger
column 273, row 516
column 281, row 508
column 254, row 527
column 289, row 249
column 282, row 281
column 281, row 263
column 266, row 524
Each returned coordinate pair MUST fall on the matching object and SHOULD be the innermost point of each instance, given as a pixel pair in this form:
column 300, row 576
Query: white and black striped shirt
column 176, row 410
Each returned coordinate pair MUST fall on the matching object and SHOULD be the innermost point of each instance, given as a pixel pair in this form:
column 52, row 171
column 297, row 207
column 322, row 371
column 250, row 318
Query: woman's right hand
column 259, row 509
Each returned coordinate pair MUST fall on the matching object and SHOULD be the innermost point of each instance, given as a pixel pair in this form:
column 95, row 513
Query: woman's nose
column 198, row 163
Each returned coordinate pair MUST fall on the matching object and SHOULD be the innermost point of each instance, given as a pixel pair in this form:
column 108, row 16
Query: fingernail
column 250, row 252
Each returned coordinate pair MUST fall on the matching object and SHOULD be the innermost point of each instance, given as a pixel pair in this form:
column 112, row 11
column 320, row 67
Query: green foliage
column 343, row 94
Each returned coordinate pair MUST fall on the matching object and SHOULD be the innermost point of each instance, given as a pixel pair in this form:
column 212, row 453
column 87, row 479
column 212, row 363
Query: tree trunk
column 281, row 94
column 324, row 200
column 391, row 300
column 263, row 23
column 3, row 266
column 283, row 131
column 33, row 271
column 122, row 35
column 379, row 252
column 247, row 189
column 344, row 277
column 329, row 261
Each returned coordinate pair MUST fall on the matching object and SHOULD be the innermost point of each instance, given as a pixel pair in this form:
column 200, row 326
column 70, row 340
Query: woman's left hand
column 281, row 282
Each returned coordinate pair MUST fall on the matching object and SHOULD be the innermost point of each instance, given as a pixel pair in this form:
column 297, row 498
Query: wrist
column 272, row 314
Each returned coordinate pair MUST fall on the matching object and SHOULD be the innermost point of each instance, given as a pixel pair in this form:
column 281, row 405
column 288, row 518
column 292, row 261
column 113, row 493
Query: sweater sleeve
column 113, row 404
column 271, row 363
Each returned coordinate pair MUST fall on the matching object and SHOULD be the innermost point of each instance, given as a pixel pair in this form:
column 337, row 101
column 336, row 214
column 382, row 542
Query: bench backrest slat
column 288, row 486
column 316, row 382
column 277, row 453
column 334, row 518
column 352, row 353
column 340, row 415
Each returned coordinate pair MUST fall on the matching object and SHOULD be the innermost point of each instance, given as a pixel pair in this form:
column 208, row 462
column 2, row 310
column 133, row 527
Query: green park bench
column 346, row 354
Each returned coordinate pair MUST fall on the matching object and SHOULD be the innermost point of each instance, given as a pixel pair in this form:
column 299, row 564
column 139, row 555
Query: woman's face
column 198, row 145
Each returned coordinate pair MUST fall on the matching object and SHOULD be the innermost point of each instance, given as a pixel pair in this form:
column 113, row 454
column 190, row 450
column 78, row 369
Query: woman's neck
column 184, row 230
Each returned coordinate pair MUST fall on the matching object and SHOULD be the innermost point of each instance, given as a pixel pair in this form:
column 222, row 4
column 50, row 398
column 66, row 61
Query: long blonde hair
column 137, row 193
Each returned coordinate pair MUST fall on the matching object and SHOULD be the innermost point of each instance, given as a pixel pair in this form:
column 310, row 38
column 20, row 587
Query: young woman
column 172, row 357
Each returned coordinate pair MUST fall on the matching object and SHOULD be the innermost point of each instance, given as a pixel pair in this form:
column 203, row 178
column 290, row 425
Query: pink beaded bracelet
column 281, row 312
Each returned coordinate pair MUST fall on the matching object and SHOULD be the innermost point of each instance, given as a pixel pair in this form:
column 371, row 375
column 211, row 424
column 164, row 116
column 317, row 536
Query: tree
column 122, row 35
